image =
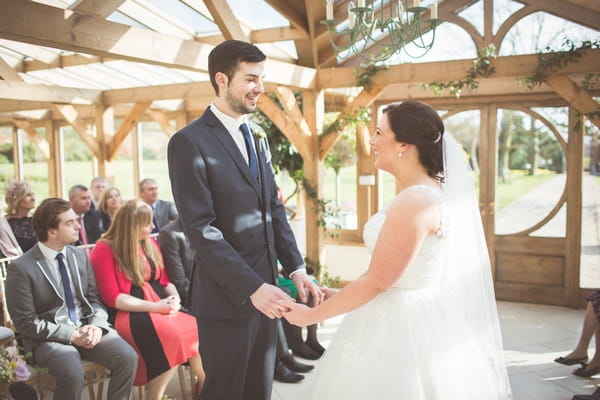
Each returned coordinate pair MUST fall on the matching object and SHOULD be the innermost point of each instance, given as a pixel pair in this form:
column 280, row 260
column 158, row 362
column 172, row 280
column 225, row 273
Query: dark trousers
column 238, row 356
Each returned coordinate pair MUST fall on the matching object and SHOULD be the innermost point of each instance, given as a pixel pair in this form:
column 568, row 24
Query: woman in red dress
column 143, row 304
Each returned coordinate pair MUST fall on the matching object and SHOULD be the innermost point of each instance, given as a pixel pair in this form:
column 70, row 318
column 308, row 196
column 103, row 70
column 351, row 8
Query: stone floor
column 533, row 336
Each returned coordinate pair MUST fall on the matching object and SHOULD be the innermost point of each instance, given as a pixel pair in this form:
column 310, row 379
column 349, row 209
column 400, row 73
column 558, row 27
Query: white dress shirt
column 62, row 315
column 233, row 127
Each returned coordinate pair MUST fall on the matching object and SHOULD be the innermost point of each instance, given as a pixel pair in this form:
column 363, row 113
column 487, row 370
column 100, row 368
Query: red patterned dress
column 162, row 341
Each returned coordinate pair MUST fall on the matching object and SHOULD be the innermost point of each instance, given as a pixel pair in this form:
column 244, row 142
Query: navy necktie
column 62, row 268
column 252, row 162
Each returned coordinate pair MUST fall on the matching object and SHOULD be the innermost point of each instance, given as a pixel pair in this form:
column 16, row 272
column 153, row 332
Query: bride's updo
column 419, row 124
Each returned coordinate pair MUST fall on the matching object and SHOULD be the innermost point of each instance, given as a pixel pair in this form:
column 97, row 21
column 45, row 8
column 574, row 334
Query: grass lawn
column 519, row 183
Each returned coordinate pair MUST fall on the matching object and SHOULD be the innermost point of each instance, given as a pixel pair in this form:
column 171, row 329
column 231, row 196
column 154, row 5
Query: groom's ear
column 222, row 80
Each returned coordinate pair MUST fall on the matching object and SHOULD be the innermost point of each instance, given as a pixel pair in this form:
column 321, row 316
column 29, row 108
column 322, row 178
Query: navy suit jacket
column 237, row 226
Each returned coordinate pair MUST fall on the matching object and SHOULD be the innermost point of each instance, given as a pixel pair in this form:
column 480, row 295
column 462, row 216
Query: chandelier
column 378, row 29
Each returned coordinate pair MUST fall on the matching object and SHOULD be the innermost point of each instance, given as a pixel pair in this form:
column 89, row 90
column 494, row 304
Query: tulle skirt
column 407, row 344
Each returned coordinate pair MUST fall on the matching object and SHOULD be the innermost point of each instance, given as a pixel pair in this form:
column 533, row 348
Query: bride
column 423, row 321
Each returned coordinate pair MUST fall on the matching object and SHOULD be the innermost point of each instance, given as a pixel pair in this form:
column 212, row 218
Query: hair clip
column 438, row 137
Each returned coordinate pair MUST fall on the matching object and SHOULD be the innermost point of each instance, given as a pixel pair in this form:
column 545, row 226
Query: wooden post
column 104, row 118
column 313, row 109
column 487, row 178
column 56, row 183
column 574, row 203
column 136, row 144
column 17, row 153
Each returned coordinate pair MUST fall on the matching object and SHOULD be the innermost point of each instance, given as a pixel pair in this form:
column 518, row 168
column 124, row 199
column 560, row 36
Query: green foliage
column 75, row 147
column 351, row 120
column 364, row 76
column 6, row 153
column 552, row 60
column 482, row 66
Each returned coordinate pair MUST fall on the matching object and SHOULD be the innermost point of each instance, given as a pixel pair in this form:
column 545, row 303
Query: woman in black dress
column 16, row 230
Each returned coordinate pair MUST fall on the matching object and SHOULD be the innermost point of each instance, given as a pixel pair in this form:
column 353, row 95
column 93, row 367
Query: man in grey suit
column 178, row 256
column 53, row 301
column 225, row 192
column 163, row 211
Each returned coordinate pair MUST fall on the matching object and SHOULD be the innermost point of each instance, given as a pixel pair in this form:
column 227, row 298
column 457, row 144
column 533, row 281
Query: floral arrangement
column 13, row 367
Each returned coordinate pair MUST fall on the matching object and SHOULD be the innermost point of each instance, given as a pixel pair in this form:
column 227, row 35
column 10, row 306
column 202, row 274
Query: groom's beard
column 238, row 105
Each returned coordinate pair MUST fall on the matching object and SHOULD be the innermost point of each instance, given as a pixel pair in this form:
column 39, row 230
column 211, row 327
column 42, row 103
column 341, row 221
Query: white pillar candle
column 416, row 3
column 361, row 3
column 329, row 9
column 434, row 11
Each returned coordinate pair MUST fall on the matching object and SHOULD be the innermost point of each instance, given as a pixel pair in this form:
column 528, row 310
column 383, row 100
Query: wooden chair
column 41, row 380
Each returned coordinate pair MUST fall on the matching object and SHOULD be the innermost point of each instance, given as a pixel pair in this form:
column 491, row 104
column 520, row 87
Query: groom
column 225, row 192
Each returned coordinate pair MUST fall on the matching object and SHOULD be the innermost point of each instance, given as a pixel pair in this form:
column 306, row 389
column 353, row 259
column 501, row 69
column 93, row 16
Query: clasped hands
column 86, row 336
column 169, row 305
column 273, row 302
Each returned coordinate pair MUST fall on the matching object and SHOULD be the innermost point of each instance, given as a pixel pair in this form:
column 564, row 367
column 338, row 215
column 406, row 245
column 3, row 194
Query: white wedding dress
column 408, row 343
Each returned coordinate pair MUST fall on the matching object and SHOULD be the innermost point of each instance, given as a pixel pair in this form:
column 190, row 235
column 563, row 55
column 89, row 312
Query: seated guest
column 178, row 256
column 97, row 187
column 142, row 302
column 52, row 298
column 89, row 220
column 109, row 203
column 164, row 211
column 16, row 231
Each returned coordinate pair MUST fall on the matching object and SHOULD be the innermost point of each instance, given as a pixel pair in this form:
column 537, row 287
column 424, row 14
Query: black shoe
column 304, row 351
column 283, row 374
column 316, row 346
column 593, row 396
column 290, row 362
column 570, row 361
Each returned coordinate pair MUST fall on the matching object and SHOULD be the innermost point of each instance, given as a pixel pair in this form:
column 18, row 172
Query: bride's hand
column 298, row 314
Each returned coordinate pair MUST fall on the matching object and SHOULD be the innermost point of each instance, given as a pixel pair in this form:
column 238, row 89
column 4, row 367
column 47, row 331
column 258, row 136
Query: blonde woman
column 109, row 203
column 143, row 304
column 16, row 230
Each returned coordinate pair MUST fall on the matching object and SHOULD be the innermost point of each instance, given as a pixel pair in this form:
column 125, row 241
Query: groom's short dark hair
column 227, row 55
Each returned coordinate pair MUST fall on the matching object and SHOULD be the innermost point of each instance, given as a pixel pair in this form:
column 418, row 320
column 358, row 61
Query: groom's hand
column 269, row 300
column 306, row 285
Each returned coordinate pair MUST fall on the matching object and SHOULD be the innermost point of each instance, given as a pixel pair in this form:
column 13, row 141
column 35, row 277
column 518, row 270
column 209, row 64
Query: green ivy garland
column 482, row 66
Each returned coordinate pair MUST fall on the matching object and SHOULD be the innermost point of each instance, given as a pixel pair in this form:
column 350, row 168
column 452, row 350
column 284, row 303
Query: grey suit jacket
column 236, row 225
column 178, row 256
column 165, row 212
column 33, row 297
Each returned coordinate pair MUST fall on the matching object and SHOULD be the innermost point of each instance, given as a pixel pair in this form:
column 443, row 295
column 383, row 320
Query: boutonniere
column 260, row 135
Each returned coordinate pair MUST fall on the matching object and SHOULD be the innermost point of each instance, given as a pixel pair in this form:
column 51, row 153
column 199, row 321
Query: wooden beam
column 35, row 137
column 96, row 8
column 277, row 34
column 22, row 91
column 291, row 11
column 158, row 92
column 128, row 123
column 286, row 125
column 7, row 73
column 288, row 101
column 577, row 97
column 508, row 66
column 161, row 118
column 227, row 22
column 35, row 23
column 74, row 119
column 364, row 99
column 586, row 13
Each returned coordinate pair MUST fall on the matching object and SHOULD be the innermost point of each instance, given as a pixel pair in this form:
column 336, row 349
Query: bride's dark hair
column 419, row 124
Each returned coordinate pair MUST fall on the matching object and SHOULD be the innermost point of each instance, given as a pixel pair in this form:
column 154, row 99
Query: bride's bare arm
column 410, row 219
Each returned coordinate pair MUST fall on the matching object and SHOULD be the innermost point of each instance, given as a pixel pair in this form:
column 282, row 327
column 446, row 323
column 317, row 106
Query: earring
column 400, row 154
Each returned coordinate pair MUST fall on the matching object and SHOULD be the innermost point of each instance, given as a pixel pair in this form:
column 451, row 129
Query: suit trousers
column 238, row 356
column 64, row 364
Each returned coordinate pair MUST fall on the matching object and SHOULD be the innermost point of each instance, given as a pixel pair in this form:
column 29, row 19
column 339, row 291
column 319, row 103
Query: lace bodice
column 426, row 269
